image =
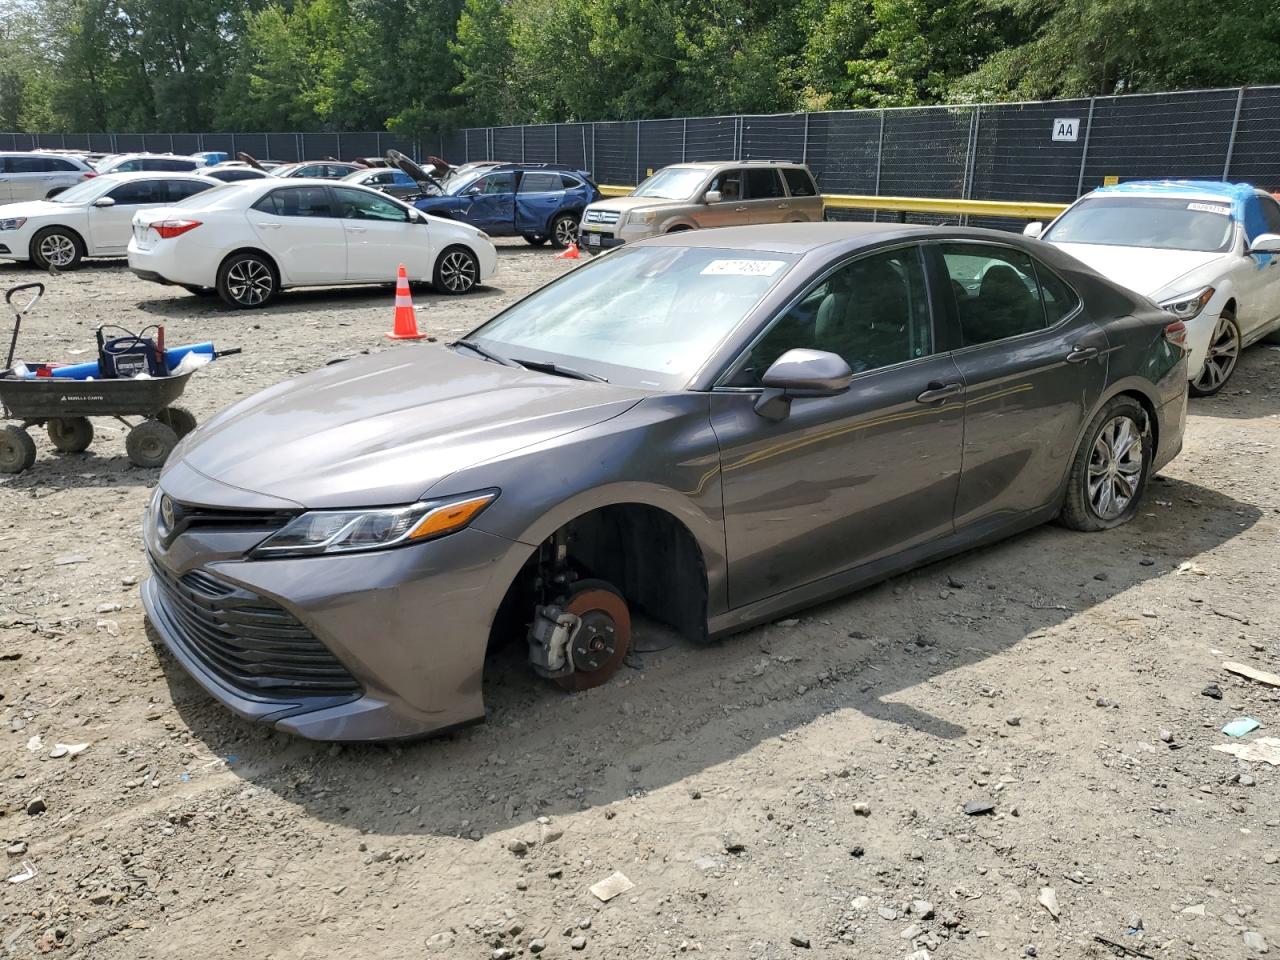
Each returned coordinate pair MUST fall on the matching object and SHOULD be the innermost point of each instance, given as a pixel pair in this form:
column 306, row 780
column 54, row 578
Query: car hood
column 1142, row 270
column 36, row 208
column 632, row 203
column 386, row 428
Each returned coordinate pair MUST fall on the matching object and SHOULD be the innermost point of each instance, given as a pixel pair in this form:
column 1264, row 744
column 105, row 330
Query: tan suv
column 686, row 196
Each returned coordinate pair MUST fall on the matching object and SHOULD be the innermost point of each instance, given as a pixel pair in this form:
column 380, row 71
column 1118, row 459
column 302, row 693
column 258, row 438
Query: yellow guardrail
column 1024, row 210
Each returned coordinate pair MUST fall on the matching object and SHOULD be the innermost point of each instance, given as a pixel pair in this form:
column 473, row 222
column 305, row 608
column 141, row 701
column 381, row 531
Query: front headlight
column 13, row 223
column 641, row 218
column 1187, row 306
column 349, row 531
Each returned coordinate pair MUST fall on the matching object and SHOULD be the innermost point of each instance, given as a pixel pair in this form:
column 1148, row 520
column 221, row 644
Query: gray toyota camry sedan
column 708, row 428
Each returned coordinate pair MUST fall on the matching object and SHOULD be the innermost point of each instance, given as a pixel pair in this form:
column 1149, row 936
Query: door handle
column 739, row 209
column 269, row 226
column 936, row 390
column 357, row 229
column 1081, row 354
column 783, row 206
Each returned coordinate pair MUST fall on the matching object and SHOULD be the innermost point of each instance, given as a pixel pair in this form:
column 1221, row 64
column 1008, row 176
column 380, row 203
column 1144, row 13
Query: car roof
column 802, row 238
column 714, row 164
column 61, row 154
column 156, row 175
column 1181, row 190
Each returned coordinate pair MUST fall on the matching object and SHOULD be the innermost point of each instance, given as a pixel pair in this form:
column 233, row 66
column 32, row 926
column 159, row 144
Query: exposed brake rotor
column 601, row 642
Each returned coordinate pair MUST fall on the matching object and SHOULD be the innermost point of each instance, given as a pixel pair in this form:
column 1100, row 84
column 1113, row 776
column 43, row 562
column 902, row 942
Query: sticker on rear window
column 1210, row 208
column 743, row 268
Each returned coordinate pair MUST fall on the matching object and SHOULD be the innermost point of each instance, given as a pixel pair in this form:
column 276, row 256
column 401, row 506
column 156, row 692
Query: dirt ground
column 796, row 790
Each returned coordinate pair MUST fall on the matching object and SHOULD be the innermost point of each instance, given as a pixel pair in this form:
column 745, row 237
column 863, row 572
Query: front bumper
column 408, row 626
column 598, row 240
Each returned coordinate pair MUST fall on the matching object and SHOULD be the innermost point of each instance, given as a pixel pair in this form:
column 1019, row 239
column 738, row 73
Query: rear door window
column 540, row 183
column 297, row 202
column 763, row 184
column 181, row 189
column 997, row 293
column 799, row 182
column 28, row 165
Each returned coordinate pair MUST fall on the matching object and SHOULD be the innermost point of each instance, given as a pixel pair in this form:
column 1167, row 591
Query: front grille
column 602, row 216
column 248, row 641
column 266, row 521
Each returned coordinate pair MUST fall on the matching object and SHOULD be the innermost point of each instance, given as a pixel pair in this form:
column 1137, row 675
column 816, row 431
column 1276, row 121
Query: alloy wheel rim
column 565, row 231
column 1115, row 468
column 1220, row 361
column 58, row 249
column 458, row 272
column 249, row 282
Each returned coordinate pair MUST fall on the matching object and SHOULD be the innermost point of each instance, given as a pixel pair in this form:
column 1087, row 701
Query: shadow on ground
column 678, row 711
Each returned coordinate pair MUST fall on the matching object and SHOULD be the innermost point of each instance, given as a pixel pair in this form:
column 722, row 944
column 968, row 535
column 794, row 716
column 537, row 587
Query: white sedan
column 92, row 219
column 1208, row 252
column 250, row 240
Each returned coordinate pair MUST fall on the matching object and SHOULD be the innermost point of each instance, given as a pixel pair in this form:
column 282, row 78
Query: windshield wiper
column 547, row 367
column 486, row 353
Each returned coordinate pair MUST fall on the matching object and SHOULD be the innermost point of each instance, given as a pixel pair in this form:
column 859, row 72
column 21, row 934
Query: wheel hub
column 600, row 644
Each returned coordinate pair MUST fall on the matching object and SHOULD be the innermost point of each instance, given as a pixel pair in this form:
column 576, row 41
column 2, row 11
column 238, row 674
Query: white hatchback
column 91, row 219
column 250, row 240
column 1207, row 252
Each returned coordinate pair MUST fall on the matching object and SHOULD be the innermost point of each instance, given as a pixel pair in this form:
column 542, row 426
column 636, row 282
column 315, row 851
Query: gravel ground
column 797, row 790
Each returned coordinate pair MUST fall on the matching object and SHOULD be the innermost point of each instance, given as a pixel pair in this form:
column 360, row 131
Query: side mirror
column 1265, row 243
column 712, row 196
column 104, row 202
column 1033, row 229
column 801, row 373
column 473, row 191
column 415, row 216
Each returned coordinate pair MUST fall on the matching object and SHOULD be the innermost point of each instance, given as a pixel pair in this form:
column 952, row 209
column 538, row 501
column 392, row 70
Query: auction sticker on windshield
column 743, row 268
column 1210, row 208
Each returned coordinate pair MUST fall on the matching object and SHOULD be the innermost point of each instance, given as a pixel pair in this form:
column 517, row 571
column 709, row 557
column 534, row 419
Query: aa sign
column 1066, row 129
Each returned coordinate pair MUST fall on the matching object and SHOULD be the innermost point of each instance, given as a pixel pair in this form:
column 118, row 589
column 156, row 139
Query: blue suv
column 537, row 201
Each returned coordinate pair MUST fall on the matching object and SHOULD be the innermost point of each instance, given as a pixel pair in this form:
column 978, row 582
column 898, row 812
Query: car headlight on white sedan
column 351, row 531
column 12, row 223
column 1187, row 306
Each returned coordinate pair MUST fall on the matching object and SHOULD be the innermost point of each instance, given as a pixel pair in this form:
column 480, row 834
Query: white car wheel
column 457, row 271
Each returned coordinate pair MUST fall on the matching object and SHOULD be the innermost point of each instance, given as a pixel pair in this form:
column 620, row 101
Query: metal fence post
column 555, row 149
column 875, row 214
column 684, row 139
column 737, row 150
column 523, row 159
column 1084, row 151
column 1231, row 143
column 594, row 172
column 804, row 146
column 637, row 179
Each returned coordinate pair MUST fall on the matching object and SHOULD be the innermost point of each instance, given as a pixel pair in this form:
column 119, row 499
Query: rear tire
column 457, row 271
column 70, row 434
column 57, row 247
column 534, row 239
column 1221, row 360
column 150, row 443
column 1111, row 468
column 17, row 449
column 564, row 230
column 178, row 419
column 247, row 281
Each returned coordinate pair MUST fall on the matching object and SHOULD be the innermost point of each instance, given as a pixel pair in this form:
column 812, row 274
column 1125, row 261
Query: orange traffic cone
column 406, row 322
column 571, row 252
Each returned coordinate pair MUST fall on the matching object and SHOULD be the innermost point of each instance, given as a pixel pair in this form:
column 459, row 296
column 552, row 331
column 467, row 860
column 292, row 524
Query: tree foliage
column 421, row 66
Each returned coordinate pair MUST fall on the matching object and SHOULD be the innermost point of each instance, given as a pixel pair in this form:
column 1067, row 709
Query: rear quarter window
column 799, row 182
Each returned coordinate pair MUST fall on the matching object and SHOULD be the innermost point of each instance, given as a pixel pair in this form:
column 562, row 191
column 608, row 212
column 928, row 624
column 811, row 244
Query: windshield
column 86, row 190
column 673, row 183
column 458, row 184
column 642, row 316
column 1159, row 223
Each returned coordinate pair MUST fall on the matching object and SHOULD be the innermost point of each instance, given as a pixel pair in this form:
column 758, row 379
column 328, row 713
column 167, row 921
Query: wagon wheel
column 602, row 641
column 17, row 449
column 150, row 443
column 178, row 419
column 70, row 434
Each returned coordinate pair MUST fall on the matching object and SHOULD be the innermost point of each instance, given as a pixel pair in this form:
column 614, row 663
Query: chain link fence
column 1048, row 151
